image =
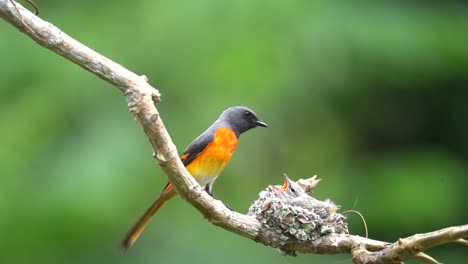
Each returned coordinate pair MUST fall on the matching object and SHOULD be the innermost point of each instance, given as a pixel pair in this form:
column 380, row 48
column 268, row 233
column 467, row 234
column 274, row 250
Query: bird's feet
column 214, row 197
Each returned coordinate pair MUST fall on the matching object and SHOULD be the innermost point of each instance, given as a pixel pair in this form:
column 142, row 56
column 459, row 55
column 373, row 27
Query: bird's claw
column 214, row 197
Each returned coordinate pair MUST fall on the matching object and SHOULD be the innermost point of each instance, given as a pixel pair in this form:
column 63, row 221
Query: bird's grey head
column 241, row 119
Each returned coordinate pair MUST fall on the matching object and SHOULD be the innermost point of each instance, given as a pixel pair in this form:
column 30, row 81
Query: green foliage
column 370, row 96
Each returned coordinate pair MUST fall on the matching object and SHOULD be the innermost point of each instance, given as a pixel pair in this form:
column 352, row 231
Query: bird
column 295, row 195
column 205, row 158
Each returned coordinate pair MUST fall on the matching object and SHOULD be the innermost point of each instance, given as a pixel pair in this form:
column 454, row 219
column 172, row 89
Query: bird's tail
column 138, row 228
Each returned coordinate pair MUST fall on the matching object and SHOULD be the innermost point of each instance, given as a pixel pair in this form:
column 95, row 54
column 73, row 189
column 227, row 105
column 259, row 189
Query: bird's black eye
column 293, row 190
column 247, row 113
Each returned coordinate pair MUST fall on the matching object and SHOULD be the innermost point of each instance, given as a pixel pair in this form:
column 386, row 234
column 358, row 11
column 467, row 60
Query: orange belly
column 214, row 158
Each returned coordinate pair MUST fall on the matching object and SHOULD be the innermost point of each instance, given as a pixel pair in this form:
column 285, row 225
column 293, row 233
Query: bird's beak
column 287, row 182
column 285, row 186
column 260, row 123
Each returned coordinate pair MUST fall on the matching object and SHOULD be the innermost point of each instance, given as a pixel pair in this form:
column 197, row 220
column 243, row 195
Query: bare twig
column 462, row 242
column 405, row 248
column 423, row 257
column 410, row 247
column 141, row 97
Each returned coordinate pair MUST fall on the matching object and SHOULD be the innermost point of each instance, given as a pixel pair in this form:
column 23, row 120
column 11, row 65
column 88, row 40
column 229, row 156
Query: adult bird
column 205, row 158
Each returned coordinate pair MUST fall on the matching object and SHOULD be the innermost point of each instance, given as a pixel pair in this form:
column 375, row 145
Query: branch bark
column 141, row 98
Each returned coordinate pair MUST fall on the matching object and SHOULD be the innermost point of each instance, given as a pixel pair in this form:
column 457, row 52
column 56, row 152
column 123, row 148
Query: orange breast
column 214, row 158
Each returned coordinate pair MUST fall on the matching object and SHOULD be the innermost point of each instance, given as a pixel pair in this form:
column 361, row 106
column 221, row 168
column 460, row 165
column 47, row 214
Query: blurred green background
column 370, row 95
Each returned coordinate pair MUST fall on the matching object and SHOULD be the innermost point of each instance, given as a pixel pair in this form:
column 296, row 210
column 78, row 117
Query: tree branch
column 425, row 258
column 462, row 242
column 411, row 247
column 141, row 97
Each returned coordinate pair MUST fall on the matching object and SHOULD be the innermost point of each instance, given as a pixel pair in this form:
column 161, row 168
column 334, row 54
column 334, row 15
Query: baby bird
column 292, row 193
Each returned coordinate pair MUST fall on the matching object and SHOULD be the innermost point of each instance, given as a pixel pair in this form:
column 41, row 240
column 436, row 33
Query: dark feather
column 197, row 146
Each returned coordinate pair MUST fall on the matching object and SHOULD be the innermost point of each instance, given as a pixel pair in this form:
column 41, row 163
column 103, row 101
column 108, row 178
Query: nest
column 295, row 215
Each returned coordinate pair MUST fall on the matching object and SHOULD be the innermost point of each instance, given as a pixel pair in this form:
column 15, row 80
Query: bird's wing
column 196, row 147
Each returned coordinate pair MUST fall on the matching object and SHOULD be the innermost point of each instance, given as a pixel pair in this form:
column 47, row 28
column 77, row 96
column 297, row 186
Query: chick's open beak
column 285, row 186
